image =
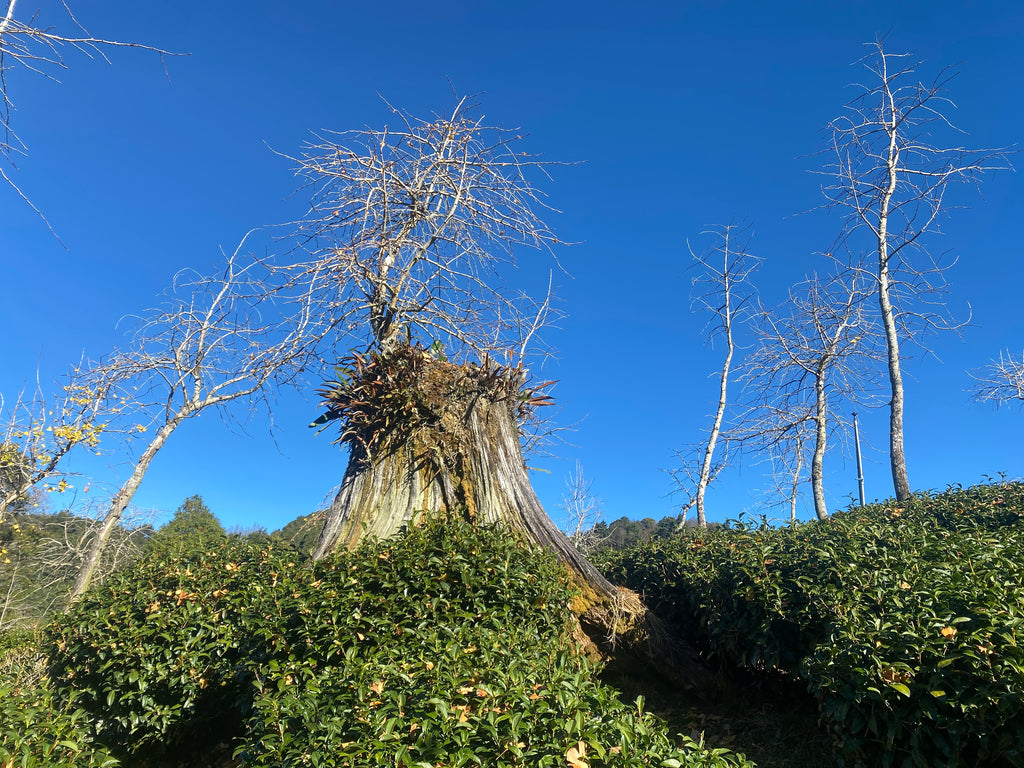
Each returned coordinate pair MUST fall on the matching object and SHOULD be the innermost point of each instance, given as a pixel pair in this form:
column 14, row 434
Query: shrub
column 904, row 619
column 158, row 653
column 35, row 731
column 447, row 645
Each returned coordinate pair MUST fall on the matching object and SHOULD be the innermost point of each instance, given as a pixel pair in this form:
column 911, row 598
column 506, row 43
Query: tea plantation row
column 448, row 646
column 903, row 619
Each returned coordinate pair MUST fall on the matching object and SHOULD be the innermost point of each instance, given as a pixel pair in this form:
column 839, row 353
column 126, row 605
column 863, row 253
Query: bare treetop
column 217, row 339
column 816, row 353
column 1001, row 381
column 410, row 227
column 891, row 177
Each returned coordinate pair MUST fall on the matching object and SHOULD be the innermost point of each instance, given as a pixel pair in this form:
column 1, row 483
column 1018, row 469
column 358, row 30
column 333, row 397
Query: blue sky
column 677, row 115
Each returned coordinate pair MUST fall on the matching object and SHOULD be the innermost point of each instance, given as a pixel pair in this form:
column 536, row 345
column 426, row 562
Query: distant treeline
column 625, row 533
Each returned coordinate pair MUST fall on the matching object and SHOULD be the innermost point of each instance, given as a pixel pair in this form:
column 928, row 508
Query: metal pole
column 860, row 467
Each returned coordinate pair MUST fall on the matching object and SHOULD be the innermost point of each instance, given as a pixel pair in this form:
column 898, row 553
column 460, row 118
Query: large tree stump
column 429, row 436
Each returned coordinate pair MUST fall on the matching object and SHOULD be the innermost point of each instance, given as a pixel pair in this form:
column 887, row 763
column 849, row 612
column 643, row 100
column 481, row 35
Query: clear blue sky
column 681, row 115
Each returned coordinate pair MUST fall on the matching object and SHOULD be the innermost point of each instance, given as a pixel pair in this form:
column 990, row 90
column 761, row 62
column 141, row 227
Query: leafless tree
column 722, row 288
column 1001, row 381
column 219, row 341
column 788, row 459
column 40, row 429
column 583, row 511
column 891, row 181
column 687, row 473
column 29, row 46
column 410, row 226
column 41, row 562
column 813, row 351
column 407, row 245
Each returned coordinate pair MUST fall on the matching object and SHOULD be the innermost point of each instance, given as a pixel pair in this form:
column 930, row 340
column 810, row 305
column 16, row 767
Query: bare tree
column 47, row 550
column 583, row 511
column 788, row 457
column 722, row 288
column 814, row 350
column 28, row 46
column 220, row 341
column 40, row 429
column 891, row 181
column 688, row 471
column 1001, row 381
column 410, row 232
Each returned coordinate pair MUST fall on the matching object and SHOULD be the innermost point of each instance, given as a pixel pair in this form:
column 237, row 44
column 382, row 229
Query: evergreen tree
column 193, row 528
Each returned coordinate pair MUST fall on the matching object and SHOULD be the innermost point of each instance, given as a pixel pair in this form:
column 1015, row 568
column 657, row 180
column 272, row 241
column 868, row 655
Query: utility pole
column 860, row 467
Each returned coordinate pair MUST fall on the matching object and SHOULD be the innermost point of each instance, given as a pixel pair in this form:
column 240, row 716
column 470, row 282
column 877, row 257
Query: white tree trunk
column 716, row 427
column 117, row 507
column 820, row 438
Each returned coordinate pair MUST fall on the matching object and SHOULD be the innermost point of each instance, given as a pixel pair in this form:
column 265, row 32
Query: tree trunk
column 897, row 459
column 98, row 543
column 716, row 427
column 820, row 438
column 450, row 445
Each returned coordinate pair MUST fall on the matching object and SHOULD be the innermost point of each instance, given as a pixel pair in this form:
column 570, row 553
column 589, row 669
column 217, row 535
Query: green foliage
column 625, row 533
column 447, row 645
column 302, row 533
column 194, row 528
column 157, row 653
column 36, row 731
column 904, row 619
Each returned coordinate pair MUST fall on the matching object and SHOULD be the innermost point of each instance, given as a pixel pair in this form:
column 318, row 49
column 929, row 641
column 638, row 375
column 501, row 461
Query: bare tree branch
column 31, row 47
column 39, row 430
column 723, row 289
column 583, row 511
column 1001, row 381
column 814, row 351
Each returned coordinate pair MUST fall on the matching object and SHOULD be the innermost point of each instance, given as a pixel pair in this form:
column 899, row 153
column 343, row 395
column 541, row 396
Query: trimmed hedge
column 448, row 645
column 905, row 619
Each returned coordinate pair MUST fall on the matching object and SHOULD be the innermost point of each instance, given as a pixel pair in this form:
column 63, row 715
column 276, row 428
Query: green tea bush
column 446, row 646
column 905, row 619
column 924, row 665
column 158, row 653
column 753, row 596
column 36, row 731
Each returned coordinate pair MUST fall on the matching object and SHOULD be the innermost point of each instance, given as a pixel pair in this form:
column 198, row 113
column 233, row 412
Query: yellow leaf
column 949, row 632
column 378, row 687
column 576, row 757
